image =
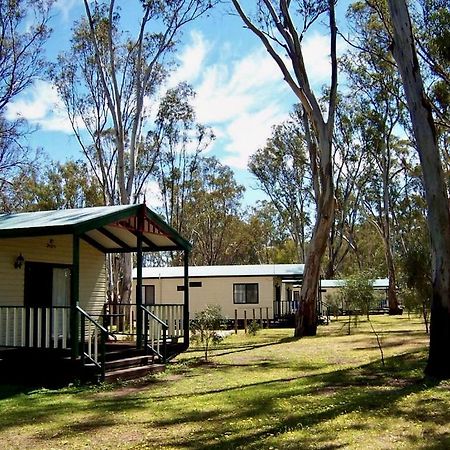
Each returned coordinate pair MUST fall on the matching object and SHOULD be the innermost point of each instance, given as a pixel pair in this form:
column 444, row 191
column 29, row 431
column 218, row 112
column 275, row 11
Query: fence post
column 235, row 321
column 260, row 318
column 245, row 320
column 267, row 316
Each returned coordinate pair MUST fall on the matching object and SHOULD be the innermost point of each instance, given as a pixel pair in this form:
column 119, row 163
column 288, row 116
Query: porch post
column 75, row 297
column 186, row 299
column 139, row 315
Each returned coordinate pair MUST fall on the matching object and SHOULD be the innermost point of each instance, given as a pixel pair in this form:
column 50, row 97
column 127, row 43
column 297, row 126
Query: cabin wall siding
column 35, row 249
column 93, row 283
column 215, row 291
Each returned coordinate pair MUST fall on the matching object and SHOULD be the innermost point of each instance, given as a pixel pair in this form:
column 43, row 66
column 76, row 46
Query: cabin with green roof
column 54, row 287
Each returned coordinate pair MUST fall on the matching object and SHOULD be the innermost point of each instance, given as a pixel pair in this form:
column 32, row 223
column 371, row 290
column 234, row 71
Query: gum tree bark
column 420, row 110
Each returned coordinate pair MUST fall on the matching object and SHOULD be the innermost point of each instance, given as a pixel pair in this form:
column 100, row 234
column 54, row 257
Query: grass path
column 265, row 392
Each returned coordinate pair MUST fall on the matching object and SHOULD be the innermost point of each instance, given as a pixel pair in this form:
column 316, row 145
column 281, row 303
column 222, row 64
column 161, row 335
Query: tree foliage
column 357, row 294
column 23, row 32
column 423, row 126
column 282, row 169
column 109, row 80
column 54, row 186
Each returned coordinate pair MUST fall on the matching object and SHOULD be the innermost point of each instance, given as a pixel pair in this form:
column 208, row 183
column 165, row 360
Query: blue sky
column 240, row 92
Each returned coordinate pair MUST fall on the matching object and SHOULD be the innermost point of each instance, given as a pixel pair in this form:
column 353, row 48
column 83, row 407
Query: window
column 245, row 293
column 180, row 288
column 149, row 294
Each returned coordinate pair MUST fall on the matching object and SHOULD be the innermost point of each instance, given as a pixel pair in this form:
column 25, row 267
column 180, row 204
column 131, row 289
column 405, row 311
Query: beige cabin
column 264, row 290
column 53, row 285
column 330, row 291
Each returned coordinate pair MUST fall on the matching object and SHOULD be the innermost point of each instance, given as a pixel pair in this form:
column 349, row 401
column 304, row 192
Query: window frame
column 246, row 294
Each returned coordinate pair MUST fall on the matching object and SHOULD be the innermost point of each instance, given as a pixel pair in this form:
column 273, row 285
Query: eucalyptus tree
column 281, row 27
column 432, row 38
column 269, row 235
column 178, row 161
column 213, row 215
column 351, row 170
column 420, row 110
column 109, row 81
column 372, row 75
column 51, row 186
column 23, row 32
column 283, row 172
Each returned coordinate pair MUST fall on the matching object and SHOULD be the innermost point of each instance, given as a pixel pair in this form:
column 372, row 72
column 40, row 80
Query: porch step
column 134, row 361
column 130, row 373
column 123, row 361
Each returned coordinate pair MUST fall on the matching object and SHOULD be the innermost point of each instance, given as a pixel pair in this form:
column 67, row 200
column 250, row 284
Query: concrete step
column 133, row 372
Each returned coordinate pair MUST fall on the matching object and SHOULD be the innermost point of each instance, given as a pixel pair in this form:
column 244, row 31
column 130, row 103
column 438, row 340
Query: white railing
column 172, row 315
column 37, row 327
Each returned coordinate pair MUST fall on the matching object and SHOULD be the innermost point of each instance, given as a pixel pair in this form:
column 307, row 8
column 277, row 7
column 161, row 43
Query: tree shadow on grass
column 224, row 350
column 363, row 389
column 283, row 406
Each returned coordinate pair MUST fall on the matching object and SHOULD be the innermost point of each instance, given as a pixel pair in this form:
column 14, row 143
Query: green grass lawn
column 264, row 392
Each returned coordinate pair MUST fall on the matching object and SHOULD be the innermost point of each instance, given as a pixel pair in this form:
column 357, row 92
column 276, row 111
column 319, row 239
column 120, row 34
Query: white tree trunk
column 435, row 188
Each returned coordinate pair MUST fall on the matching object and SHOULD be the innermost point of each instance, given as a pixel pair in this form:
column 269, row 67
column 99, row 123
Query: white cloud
column 153, row 196
column 35, row 105
column 41, row 106
column 248, row 132
column 316, row 53
column 241, row 100
column 65, row 8
column 191, row 60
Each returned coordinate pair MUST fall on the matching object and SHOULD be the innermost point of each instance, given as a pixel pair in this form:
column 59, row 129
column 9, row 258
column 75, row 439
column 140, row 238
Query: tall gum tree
column 281, row 27
column 108, row 80
column 23, row 32
column 420, row 110
column 350, row 178
column 377, row 85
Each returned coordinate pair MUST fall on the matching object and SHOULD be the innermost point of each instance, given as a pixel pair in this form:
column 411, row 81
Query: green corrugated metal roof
column 58, row 218
column 83, row 220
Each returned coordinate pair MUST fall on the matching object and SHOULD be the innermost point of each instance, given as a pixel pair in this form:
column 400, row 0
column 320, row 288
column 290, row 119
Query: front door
column 38, row 285
column 46, row 286
column 277, row 309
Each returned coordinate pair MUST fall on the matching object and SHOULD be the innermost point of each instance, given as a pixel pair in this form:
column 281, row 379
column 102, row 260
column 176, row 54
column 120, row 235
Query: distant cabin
column 270, row 291
column 267, row 290
column 330, row 289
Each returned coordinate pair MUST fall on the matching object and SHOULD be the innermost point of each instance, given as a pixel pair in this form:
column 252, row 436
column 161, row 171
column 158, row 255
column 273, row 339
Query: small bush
column 253, row 328
column 205, row 327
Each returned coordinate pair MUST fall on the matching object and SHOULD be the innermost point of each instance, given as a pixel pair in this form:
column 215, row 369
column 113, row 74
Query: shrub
column 253, row 328
column 206, row 325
